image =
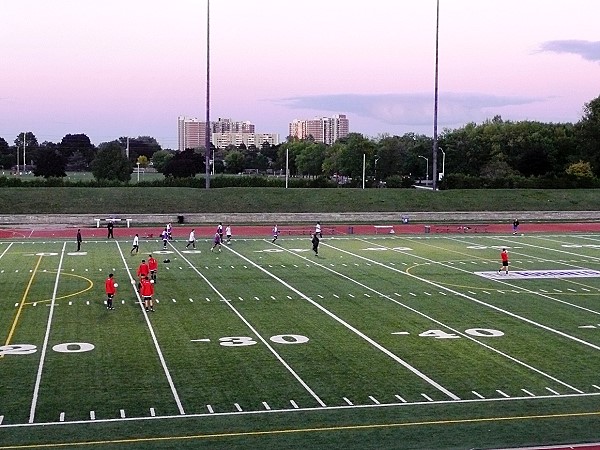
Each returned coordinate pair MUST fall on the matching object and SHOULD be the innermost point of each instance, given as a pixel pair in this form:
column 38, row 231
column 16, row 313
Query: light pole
column 427, row 173
column 443, row 163
column 138, row 171
column 376, row 159
column 435, row 94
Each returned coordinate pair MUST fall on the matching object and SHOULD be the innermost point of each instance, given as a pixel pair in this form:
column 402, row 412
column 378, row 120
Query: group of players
column 147, row 270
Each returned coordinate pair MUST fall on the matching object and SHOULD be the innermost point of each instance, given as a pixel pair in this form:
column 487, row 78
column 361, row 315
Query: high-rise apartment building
column 223, row 133
column 322, row 129
column 191, row 133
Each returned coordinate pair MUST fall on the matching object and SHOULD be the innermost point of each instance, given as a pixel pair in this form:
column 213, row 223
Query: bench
column 384, row 228
column 112, row 220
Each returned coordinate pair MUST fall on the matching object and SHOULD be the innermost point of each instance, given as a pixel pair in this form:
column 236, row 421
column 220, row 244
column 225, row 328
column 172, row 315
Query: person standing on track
column 515, row 226
column 79, row 239
column 110, row 225
column 504, row 259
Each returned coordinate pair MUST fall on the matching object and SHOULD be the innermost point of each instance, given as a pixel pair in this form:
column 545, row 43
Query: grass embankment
column 138, row 200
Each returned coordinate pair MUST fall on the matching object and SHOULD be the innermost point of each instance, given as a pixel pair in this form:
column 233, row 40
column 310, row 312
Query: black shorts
column 504, row 263
column 147, row 299
column 111, row 296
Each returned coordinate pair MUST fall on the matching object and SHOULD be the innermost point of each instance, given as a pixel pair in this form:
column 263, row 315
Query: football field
column 381, row 341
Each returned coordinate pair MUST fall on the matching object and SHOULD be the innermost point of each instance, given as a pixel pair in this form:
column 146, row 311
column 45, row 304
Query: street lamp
column 376, row 159
column 138, row 171
column 443, row 163
column 426, row 173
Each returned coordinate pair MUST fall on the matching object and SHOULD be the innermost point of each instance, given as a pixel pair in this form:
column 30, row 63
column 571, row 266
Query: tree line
column 495, row 149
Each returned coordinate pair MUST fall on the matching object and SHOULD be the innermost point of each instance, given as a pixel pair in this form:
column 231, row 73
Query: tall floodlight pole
column 207, row 126
column 435, row 101
column 18, row 151
column 24, row 154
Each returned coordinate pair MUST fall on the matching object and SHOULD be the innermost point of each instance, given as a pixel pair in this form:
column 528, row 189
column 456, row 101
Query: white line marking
column 251, row 328
column 427, row 397
column 477, row 394
column 294, row 404
column 474, row 300
column 400, row 398
column 199, row 340
column 348, row 401
column 38, row 378
column 587, row 326
column 210, row 409
column 528, row 393
column 238, row 407
column 503, row 394
column 191, row 300
column 347, row 325
column 152, row 412
column 266, row 405
column 153, row 335
column 596, row 386
column 374, row 400
column 122, row 414
column 401, row 332
column 61, row 417
column 92, row 415
column 553, row 391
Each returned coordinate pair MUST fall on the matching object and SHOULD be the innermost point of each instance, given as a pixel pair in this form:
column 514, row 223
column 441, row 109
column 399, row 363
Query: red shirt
column 152, row 264
column 109, row 285
column 143, row 270
column 504, row 256
column 147, row 288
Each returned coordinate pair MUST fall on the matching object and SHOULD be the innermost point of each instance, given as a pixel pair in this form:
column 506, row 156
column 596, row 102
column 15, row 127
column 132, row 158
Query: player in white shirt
column 228, row 233
column 275, row 233
column 135, row 245
column 318, row 230
column 191, row 240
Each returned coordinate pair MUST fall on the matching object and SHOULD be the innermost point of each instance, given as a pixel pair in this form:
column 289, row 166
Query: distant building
column 191, row 133
column 322, row 129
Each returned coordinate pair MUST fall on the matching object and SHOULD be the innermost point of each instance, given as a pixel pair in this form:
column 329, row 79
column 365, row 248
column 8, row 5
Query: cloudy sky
column 111, row 68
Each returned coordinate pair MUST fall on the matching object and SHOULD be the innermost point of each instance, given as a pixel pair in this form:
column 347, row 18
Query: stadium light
column 435, row 95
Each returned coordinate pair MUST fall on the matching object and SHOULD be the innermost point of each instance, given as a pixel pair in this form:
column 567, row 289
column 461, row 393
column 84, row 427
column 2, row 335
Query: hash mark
column 92, row 415
column 400, row 398
column 61, row 417
column 210, row 409
column 503, row 394
column 238, row 407
column 266, row 405
column 152, row 412
column 122, row 414
column 348, row 401
column 477, row 394
column 427, row 397
column 294, row 404
column 374, row 400
column 553, row 391
column 528, row 393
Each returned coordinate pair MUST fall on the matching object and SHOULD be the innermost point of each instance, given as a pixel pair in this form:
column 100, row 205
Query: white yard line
column 254, row 330
column 5, row 250
column 38, row 377
column 466, row 336
column 348, row 326
column 153, row 335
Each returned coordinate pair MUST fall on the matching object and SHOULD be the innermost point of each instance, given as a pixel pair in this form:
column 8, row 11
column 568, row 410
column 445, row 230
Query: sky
column 112, row 68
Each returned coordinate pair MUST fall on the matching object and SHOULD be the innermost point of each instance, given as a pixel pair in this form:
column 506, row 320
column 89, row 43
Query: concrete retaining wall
column 87, row 220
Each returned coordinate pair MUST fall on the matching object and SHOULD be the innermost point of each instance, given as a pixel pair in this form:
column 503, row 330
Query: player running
column 216, row 242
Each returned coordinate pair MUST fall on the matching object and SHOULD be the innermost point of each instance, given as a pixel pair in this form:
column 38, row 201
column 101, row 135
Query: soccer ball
column 152, row 281
column 116, row 284
column 133, row 282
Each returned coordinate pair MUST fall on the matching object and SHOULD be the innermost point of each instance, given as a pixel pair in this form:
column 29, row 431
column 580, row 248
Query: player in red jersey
column 147, row 291
column 143, row 271
column 111, row 289
column 504, row 258
column 153, row 266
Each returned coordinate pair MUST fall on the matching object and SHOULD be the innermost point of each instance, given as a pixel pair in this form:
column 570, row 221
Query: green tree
column 160, row 159
column 111, row 164
column 580, row 169
column 49, row 162
column 234, row 161
column 310, row 159
column 185, row 164
column 78, row 143
column 588, row 135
